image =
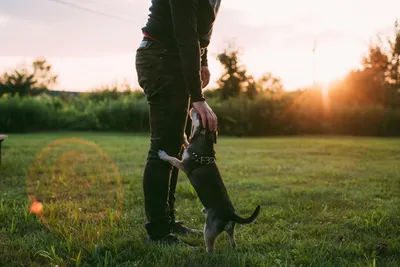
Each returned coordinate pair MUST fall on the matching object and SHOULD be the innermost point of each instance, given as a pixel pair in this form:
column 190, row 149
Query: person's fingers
column 215, row 122
column 203, row 119
column 207, row 79
column 208, row 117
column 205, row 82
column 210, row 121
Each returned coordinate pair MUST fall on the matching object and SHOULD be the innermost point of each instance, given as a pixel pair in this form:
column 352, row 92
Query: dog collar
column 203, row 160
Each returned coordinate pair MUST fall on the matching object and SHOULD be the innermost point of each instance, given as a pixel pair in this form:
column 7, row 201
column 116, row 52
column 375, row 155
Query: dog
column 199, row 164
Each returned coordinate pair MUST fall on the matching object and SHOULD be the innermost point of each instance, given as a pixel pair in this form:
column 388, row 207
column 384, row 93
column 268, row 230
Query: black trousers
column 160, row 76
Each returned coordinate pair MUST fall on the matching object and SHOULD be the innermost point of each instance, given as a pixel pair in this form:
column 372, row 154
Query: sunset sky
column 88, row 50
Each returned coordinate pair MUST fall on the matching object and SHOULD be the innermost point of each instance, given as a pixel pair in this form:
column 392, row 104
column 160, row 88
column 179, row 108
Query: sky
column 89, row 50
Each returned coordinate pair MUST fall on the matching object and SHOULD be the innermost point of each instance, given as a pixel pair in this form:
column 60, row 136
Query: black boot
column 178, row 227
column 169, row 239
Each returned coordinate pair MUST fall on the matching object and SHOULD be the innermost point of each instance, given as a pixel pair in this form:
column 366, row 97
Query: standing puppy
column 199, row 165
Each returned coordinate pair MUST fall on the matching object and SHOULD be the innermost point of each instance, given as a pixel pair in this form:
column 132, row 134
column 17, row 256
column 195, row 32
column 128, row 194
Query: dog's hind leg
column 230, row 231
column 210, row 235
column 174, row 161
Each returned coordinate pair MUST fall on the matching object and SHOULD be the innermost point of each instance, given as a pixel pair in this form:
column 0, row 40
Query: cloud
column 61, row 31
column 231, row 25
column 275, row 35
column 4, row 20
column 53, row 30
column 329, row 38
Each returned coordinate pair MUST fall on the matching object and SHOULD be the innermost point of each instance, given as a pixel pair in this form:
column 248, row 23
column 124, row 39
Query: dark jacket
column 185, row 25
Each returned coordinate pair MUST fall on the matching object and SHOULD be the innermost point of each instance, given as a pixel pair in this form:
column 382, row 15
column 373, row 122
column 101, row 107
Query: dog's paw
column 162, row 154
column 185, row 141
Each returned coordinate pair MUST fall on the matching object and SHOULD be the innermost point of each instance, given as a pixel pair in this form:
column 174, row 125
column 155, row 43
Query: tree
column 24, row 81
column 394, row 69
column 42, row 74
column 270, row 84
column 394, row 63
column 233, row 79
column 251, row 88
column 378, row 81
column 369, row 84
column 374, row 75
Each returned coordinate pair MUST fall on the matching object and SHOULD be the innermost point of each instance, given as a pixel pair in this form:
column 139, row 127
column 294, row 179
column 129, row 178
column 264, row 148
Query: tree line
column 364, row 102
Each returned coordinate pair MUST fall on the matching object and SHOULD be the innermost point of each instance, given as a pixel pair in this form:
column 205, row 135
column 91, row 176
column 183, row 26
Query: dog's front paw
column 163, row 155
column 185, row 141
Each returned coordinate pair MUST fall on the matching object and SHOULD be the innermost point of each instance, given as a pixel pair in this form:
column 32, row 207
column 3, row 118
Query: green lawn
column 325, row 201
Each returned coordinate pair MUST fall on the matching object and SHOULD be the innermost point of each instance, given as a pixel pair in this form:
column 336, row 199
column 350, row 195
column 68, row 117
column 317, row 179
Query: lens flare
column 36, row 208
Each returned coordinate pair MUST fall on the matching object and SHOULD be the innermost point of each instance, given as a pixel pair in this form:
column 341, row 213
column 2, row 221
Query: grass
column 324, row 202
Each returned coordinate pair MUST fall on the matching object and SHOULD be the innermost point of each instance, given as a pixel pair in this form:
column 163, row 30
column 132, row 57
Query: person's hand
column 205, row 76
column 206, row 114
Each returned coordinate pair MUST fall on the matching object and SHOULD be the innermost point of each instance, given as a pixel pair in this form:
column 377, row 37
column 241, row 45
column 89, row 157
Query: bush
column 288, row 114
column 24, row 114
column 126, row 114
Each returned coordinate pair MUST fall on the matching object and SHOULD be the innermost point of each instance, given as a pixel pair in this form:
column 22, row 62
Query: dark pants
column 160, row 76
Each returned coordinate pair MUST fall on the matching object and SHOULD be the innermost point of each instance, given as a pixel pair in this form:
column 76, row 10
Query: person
column 172, row 69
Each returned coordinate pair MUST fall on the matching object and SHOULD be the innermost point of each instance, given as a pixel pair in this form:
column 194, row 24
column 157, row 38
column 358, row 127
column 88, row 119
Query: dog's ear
column 212, row 135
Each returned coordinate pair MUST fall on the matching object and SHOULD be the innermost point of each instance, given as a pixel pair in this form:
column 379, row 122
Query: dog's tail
column 237, row 219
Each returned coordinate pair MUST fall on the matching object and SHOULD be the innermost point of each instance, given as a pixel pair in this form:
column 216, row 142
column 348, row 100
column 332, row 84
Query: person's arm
column 184, row 21
column 204, row 60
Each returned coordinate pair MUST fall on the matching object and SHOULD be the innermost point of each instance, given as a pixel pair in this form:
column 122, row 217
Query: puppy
column 199, row 165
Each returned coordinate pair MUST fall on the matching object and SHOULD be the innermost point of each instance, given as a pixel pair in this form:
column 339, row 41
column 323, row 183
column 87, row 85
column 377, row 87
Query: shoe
column 180, row 228
column 169, row 239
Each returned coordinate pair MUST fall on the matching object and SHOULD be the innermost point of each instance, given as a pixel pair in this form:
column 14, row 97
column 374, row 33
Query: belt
column 147, row 39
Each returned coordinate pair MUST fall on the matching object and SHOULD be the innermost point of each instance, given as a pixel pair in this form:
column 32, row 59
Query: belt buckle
column 206, row 160
column 143, row 44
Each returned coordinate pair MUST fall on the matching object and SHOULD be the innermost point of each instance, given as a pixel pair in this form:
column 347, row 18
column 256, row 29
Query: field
column 325, row 201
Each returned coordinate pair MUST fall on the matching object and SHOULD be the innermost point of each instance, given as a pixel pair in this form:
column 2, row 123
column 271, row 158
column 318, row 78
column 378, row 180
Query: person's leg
column 166, row 123
column 163, row 84
column 174, row 180
column 178, row 226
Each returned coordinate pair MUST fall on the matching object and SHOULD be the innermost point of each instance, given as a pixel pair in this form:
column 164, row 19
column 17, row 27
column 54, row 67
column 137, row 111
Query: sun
column 330, row 65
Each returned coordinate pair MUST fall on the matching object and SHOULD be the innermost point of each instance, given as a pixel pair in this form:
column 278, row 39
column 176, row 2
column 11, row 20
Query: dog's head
column 196, row 118
column 197, row 125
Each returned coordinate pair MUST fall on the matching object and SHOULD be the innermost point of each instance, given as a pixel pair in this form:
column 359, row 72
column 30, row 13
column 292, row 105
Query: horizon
column 88, row 50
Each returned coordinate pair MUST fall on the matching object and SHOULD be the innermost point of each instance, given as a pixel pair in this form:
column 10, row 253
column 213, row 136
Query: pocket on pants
column 146, row 57
column 148, row 67
column 146, row 72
